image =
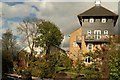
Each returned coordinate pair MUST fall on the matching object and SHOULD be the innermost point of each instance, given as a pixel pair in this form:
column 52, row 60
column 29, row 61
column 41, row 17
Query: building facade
column 97, row 27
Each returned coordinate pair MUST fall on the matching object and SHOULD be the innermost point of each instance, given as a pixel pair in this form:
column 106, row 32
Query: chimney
column 97, row 3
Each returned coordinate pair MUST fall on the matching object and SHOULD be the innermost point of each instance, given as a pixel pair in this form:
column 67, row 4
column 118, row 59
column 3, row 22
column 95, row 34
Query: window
column 91, row 20
column 103, row 20
column 97, row 34
column 90, row 46
column 89, row 36
column 89, row 32
column 105, row 32
column 74, row 44
column 82, row 20
column 36, row 45
column 88, row 59
column 74, row 55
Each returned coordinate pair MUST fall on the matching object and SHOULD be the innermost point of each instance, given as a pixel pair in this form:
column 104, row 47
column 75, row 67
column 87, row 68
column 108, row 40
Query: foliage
column 87, row 72
column 44, row 34
column 66, row 61
column 114, row 66
column 23, row 55
column 49, row 34
column 41, row 33
column 8, row 51
column 21, row 62
column 55, row 63
column 42, row 68
column 105, row 62
column 90, row 72
column 26, row 75
column 7, row 62
column 8, row 40
column 114, row 61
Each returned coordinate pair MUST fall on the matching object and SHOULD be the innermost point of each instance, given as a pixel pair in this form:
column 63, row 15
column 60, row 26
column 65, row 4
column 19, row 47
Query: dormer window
column 103, row 20
column 91, row 20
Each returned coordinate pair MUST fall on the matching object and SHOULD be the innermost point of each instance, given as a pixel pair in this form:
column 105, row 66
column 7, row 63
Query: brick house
column 97, row 26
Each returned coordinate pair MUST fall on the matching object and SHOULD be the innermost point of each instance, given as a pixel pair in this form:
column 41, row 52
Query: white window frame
column 88, row 59
column 90, row 45
column 89, row 32
column 91, row 20
column 105, row 32
column 97, row 34
column 74, row 44
column 103, row 20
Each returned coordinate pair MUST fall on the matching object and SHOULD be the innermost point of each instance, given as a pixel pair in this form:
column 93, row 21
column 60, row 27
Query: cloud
column 0, row 7
column 13, row 26
column 23, row 9
column 19, row 10
column 1, row 22
column 70, row 0
column 13, row 3
column 0, row 14
column 33, row 0
column 12, row 0
column 6, row 24
column 40, row 5
column 65, row 42
column 63, row 14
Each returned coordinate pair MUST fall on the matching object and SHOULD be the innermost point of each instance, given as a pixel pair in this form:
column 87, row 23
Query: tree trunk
column 48, row 49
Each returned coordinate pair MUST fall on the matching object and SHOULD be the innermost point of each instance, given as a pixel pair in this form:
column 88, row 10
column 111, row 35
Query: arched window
column 88, row 59
column 105, row 32
column 90, row 46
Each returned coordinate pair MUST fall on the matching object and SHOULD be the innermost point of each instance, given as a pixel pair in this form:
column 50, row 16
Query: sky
column 63, row 13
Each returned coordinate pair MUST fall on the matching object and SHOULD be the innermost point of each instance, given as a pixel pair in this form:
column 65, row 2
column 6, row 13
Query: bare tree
column 41, row 32
column 28, row 29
